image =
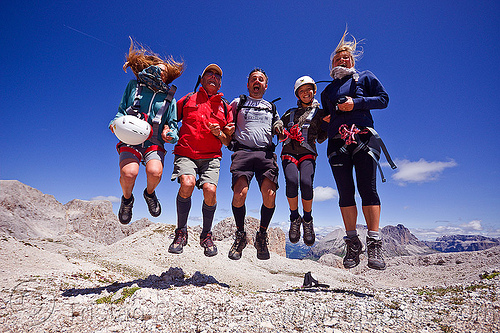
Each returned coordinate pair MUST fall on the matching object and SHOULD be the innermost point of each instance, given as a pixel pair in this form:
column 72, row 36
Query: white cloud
column 324, row 193
column 420, row 171
column 111, row 198
column 473, row 227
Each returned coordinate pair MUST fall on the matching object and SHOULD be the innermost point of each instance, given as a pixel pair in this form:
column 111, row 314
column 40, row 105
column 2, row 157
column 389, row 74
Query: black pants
column 306, row 170
column 342, row 165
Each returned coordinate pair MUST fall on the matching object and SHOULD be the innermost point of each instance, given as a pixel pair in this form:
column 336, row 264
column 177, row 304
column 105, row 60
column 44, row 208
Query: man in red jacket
column 206, row 125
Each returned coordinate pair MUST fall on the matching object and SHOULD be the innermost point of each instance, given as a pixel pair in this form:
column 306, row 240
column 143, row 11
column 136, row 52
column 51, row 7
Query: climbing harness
column 293, row 134
column 351, row 136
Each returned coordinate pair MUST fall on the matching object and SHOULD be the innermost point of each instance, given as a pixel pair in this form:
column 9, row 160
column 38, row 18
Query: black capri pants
column 295, row 167
column 342, row 165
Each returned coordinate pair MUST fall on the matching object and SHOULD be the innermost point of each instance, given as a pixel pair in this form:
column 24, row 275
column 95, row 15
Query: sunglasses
column 216, row 75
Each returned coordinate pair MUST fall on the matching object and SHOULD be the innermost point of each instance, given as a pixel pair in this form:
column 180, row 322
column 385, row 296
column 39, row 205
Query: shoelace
column 208, row 241
column 179, row 237
column 293, row 134
column 263, row 241
column 375, row 250
column 307, row 230
column 347, row 134
column 152, row 200
column 295, row 225
column 350, row 250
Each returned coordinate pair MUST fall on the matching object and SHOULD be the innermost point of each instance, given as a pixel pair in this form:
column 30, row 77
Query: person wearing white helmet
column 299, row 132
column 149, row 97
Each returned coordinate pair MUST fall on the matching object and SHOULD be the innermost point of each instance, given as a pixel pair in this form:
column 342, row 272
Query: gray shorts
column 207, row 169
column 141, row 154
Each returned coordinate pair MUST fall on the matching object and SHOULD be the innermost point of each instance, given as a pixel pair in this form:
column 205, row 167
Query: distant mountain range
column 26, row 213
column 461, row 243
column 398, row 241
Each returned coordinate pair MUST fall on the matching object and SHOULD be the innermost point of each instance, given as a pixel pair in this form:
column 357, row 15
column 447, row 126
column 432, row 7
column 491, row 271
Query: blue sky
column 62, row 81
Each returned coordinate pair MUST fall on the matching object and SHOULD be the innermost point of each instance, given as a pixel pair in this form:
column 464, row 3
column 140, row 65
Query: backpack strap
column 157, row 119
column 188, row 96
column 305, row 129
column 243, row 99
column 135, row 108
column 225, row 103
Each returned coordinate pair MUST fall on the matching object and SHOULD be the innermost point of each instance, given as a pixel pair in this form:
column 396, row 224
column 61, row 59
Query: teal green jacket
column 151, row 103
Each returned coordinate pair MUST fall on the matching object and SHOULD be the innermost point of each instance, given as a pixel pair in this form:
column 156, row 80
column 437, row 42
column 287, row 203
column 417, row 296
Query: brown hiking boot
column 354, row 249
column 240, row 241
column 261, row 245
column 294, row 232
column 208, row 245
column 309, row 236
column 374, row 251
column 180, row 240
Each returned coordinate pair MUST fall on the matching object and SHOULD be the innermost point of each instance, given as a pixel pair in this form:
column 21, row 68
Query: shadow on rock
column 174, row 277
column 322, row 290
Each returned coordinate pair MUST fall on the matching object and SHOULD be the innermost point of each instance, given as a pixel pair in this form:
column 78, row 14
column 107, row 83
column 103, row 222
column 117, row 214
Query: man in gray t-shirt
column 256, row 121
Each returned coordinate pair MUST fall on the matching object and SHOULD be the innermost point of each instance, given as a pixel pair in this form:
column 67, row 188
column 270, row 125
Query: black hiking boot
column 180, row 240
column 374, row 251
column 309, row 236
column 153, row 203
column 354, row 249
column 210, row 249
column 240, row 241
column 261, row 245
column 294, row 232
column 125, row 211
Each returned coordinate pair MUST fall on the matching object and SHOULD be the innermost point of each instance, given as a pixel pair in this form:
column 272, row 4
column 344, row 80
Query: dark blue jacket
column 367, row 93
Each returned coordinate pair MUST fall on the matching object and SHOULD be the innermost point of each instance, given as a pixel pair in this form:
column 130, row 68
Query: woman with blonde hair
column 354, row 144
column 148, row 97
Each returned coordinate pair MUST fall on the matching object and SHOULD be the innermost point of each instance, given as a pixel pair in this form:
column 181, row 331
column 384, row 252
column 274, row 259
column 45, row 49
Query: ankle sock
column 374, row 234
column 147, row 194
column 127, row 201
column 294, row 214
column 307, row 216
column 351, row 233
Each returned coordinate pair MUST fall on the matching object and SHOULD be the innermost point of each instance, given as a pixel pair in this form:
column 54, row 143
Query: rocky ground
column 75, row 268
column 135, row 285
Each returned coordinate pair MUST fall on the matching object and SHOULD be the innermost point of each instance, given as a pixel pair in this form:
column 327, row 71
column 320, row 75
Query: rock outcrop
column 26, row 213
column 226, row 228
column 399, row 241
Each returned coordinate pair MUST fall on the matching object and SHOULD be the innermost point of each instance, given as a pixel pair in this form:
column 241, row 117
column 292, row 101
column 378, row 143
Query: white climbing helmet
column 131, row 130
column 301, row 81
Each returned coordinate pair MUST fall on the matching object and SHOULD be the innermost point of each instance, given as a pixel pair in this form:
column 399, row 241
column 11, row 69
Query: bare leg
column 307, row 205
column 268, row 190
column 293, row 203
column 350, row 216
column 129, row 169
column 240, row 189
column 372, row 217
column 154, row 170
